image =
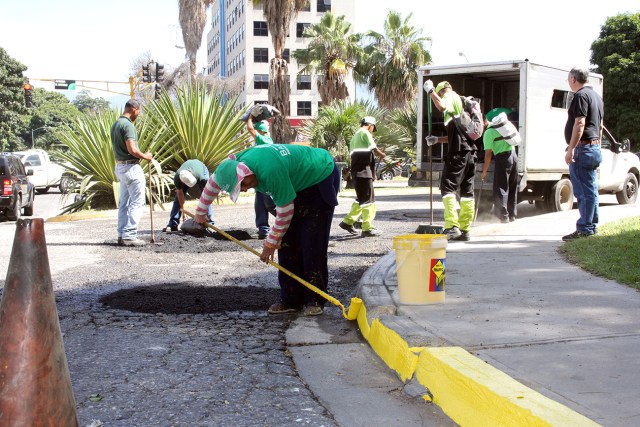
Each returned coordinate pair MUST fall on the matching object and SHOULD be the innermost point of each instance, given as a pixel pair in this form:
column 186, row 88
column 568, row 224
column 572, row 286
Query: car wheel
column 42, row 190
column 629, row 193
column 560, row 196
column 386, row 176
column 28, row 210
column 66, row 184
column 14, row 214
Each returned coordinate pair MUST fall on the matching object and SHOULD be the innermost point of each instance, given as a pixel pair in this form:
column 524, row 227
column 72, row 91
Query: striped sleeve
column 281, row 225
column 209, row 193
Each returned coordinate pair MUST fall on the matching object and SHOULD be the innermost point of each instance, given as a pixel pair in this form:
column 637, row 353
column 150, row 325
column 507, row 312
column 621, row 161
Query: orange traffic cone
column 35, row 386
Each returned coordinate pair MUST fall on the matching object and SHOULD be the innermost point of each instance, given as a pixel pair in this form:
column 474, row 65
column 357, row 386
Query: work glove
column 428, row 86
column 431, row 140
column 256, row 110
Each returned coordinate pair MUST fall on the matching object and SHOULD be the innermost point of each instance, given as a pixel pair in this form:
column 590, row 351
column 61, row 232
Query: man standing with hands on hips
column 124, row 140
column 583, row 133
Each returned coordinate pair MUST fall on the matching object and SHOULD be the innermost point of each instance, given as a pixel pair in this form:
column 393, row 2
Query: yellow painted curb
column 82, row 215
column 470, row 391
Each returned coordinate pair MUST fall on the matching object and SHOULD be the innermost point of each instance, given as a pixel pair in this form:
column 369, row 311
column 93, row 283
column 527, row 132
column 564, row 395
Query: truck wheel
column 42, row 190
column 28, row 210
column 14, row 215
column 560, row 196
column 629, row 193
column 66, row 184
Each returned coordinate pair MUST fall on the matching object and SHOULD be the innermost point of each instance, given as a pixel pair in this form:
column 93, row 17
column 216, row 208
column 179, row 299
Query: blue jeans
column 174, row 216
column 583, row 174
column 263, row 204
column 131, row 204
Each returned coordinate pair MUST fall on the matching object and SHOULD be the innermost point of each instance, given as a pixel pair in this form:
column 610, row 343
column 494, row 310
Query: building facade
column 239, row 47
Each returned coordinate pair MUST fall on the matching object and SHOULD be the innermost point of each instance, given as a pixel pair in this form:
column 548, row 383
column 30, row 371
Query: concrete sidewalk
column 523, row 338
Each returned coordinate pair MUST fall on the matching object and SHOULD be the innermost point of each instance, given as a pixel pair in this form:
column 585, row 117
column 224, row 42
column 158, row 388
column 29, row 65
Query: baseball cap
column 442, row 85
column 370, row 121
column 187, row 178
column 491, row 114
column 226, row 176
column 262, row 126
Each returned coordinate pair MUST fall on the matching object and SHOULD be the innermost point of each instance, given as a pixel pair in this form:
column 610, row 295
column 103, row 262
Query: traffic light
column 158, row 90
column 159, row 73
column 146, row 75
column 28, row 99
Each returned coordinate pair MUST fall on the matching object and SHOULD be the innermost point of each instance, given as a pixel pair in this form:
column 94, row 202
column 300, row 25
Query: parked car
column 17, row 191
column 386, row 171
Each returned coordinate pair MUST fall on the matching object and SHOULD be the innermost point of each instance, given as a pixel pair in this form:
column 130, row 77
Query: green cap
column 226, row 176
column 262, row 126
column 491, row 114
column 442, row 85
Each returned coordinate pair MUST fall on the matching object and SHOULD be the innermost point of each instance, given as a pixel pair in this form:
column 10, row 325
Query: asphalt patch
column 185, row 299
column 179, row 242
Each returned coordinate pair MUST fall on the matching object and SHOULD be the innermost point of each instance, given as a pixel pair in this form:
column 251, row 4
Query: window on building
column 261, row 81
column 304, row 82
column 260, row 28
column 304, row 108
column 324, row 5
column 260, row 54
column 286, row 54
column 300, row 26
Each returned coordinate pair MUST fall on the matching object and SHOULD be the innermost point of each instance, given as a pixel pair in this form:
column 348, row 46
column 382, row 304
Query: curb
column 469, row 390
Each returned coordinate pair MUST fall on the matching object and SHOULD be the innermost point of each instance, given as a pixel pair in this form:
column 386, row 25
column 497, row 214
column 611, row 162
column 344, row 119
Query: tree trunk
column 279, row 91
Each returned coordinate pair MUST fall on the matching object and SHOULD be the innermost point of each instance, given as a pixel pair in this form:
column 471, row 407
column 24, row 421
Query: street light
column 464, row 56
column 33, row 143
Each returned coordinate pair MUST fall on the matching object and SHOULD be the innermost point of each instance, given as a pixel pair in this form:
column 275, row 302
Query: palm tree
column 331, row 53
column 193, row 18
column 278, row 14
column 392, row 61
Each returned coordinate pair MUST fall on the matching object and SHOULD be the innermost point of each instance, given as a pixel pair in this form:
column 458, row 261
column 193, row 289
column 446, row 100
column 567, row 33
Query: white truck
column 46, row 174
column 539, row 95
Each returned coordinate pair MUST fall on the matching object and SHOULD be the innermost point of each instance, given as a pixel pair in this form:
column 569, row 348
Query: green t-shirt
column 263, row 139
column 196, row 167
column 500, row 146
column 121, row 130
column 452, row 106
column 362, row 140
column 283, row 170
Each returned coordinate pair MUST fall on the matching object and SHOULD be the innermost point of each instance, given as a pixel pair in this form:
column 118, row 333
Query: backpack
column 470, row 123
column 506, row 129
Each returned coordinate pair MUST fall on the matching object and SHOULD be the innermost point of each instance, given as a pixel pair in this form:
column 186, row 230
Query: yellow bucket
column 420, row 267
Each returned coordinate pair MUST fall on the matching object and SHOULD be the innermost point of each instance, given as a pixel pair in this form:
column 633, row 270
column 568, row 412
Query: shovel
column 423, row 228
column 356, row 303
column 153, row 237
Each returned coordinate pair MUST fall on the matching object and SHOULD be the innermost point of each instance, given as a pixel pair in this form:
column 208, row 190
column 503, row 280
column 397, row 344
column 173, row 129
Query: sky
column 93, row 40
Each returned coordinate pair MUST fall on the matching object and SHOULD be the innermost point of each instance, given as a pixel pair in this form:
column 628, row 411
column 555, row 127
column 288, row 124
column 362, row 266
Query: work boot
column 170, row 228
column 312, row 309
column 347, row 227
column 464, row 236
column 452, row 233
column 281, row 308
column 371, row 233
column 131, row 242
column 575, row 235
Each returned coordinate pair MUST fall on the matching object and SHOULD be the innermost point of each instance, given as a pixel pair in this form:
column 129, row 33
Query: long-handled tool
column 356, row 303
column 153, row 237
column 475, row 216
column 422, row 228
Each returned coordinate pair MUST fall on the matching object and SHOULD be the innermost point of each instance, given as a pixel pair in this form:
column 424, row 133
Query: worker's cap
column 262, row 125
column 492, row 114
column 442, row 85
column 187, row 178
column 369, row 120
column 229, row 175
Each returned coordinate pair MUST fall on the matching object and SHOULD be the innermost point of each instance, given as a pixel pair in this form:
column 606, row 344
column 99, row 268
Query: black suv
column 17, row 191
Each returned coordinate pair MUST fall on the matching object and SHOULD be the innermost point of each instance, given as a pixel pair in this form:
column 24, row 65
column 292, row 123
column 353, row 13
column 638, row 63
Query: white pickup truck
column 46, row 174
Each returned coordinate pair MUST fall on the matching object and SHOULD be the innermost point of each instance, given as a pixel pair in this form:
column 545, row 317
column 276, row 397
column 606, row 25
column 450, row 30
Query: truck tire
column 42, row 190
column 14, row 214
column 629, row 193
column 560, row 196
column 66, row 184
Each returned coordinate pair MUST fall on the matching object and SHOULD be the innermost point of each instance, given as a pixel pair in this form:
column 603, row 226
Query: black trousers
column 505, row 185
column 458, row 173
column 305, row 244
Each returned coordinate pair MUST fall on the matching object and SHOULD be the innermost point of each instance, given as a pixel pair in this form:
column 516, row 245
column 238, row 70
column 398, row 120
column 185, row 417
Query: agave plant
column 195, row 125
column 90, row 160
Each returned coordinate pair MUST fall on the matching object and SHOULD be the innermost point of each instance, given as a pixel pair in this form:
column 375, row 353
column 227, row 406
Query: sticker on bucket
column 436, row 278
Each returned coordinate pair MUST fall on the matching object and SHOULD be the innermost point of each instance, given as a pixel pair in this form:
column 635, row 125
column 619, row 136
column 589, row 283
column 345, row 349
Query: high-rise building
column 239, row 48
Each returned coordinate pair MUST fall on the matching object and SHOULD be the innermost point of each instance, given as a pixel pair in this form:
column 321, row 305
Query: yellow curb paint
column 470, row 391
column 81, row 216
